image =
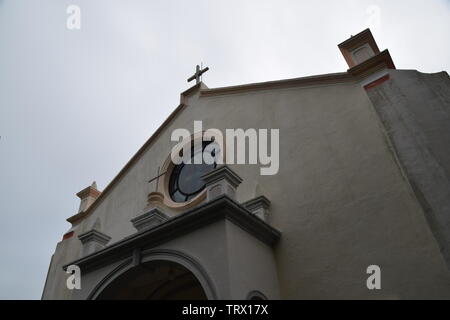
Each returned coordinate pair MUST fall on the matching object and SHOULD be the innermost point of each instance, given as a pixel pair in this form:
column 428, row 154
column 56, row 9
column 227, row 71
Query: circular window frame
column 168, row 167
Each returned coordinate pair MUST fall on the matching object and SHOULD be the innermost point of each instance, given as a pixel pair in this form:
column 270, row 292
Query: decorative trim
column 222, row 173
column 258, row 206
column 155, row 198
column 349, row 45
column 256, row 203
column 324, row 79
column 353, row 42
column 377, row 82
column 221, row 181
column 218, row 209
column 149, row 219
column 88, row 192
column 189, row 92
column 68, row 235
column 380, row 61
column 94, row 236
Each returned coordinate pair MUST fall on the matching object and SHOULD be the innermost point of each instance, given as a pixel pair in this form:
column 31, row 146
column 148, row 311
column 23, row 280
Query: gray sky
column 76, row 105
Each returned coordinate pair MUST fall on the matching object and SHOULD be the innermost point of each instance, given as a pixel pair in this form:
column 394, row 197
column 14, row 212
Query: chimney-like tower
column 88, row 196
column 365, row 60
column 362, row 48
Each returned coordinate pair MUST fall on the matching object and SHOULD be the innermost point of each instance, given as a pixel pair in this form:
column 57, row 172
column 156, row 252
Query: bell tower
column 359, row 48
column 365, row 60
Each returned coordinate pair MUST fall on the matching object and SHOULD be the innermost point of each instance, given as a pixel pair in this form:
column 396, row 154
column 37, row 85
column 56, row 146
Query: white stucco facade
column 341, row 201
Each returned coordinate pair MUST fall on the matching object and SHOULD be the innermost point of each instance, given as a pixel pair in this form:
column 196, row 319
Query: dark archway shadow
column 155, row 280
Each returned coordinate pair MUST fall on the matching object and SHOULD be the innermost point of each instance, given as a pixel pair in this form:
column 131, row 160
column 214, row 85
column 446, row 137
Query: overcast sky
column 75, row 105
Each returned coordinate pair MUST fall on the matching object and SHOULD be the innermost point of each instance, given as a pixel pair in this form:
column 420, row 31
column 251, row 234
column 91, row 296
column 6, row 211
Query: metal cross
column 158, row 175
column 198, row 74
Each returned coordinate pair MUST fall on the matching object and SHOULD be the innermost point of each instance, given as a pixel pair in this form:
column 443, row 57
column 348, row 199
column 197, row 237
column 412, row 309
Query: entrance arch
column 159, row 263
column 154, row 280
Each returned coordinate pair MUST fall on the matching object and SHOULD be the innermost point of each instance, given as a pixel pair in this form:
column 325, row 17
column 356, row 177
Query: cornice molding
column 222, row 172
column 258, row 202
column 88, row 192
column 380, row 61
column 94, row 235
column 354, row 41
column 149, row 219
column 218, row 209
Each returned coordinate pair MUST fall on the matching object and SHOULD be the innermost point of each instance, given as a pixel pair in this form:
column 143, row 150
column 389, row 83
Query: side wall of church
column 415, row 110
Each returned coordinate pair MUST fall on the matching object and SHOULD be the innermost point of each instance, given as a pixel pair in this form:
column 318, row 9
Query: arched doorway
column 155, row 280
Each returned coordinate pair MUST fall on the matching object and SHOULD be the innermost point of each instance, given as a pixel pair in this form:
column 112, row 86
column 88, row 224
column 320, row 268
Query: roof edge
column 323, row 79
column 81, row 215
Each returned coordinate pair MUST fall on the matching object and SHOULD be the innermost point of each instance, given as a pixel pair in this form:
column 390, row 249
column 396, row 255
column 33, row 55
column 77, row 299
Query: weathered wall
column 55, row 286
column 339, row 199
column 415, row 110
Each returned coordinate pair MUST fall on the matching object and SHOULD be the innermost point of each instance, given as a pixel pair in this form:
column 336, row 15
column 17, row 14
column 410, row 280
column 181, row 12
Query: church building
column 356, row 207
